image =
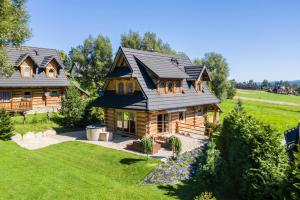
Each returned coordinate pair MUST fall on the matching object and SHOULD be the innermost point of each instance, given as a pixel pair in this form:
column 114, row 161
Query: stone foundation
column 43, row 109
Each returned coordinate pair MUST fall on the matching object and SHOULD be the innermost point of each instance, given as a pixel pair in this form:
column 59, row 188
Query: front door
column 126, row 122
column 163, row 123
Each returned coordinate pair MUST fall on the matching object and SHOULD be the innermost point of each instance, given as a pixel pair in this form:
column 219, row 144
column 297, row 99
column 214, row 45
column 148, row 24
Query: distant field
column 281, row 117
column 268, row 96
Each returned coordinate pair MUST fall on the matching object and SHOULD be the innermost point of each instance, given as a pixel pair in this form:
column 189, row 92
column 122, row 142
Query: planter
column 136, row 146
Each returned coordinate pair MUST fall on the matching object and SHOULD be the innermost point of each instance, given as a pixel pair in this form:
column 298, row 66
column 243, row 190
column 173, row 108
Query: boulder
column 49, row 132
column 28, row 136
column 39, row 135
column 16, row 137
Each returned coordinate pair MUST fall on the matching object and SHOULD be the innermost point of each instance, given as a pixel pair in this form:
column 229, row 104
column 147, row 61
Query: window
column 126, row 122
column 27, row 95
column 130, row 88
column 199, row 112
column 170, row 87
column 162, row 87
column 121, row 88
column 5, row 96
column 53, row 93
column 27, row 71
column 177, row 86
column 163, row 123
column 51, row 72
column 181, row 116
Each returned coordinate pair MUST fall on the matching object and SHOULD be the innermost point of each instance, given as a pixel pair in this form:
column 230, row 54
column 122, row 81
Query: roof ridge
column 154, row 52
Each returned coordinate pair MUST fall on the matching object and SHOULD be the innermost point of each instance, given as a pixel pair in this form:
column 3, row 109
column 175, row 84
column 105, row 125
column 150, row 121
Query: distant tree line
column 282, row 87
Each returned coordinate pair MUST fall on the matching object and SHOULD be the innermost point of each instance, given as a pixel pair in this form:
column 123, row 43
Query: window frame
column 162, row 90
column 24, row 71
column 119, row 88
column 198, row 111
column 172, row 87
column 8, row 94
column 51, row 93
column 54, row 72
column 183, row 116
column 27, row 97
column 132, row 87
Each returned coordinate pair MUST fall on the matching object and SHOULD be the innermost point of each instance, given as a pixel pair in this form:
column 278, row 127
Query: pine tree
column 6, row 125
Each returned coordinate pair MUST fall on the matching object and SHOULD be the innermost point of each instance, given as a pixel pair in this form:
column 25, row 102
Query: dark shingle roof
column 195, row 72
column 156, row 101
column 113, row 100
column 162, row 66
column 120, row 72
column 41, row 57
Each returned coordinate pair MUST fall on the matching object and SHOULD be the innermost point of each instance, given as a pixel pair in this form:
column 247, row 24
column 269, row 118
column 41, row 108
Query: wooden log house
column 149, row 93
column 37, row 83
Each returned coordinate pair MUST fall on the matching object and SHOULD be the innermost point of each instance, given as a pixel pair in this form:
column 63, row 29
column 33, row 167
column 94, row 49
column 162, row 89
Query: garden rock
column 49, row 132
column 16, row 137
column 175, row 171
column 39, row 135
column 29, row 136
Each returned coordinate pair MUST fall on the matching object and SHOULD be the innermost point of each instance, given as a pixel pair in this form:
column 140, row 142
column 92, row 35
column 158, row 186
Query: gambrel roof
column 154, row 100
column 40, row 57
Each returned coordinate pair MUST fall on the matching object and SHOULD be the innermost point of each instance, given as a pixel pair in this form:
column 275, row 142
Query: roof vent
column 36, row 52
column 174, row 61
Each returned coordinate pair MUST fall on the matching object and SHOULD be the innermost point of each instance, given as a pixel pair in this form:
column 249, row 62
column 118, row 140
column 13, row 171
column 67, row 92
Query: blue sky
column 259, row 38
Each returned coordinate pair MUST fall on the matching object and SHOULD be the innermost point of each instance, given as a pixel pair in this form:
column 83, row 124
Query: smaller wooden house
column 148, row 93
column 38, row 82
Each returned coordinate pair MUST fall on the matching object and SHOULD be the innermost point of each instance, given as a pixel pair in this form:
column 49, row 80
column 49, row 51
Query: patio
column 119, row 142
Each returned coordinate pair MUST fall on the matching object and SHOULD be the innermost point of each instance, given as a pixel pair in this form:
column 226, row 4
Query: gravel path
column 267, row 101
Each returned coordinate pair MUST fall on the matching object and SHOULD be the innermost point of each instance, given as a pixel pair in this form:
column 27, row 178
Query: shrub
column 73, row 107
column 175, row 144
column 255, row 156
column 231, row 91
column 205, row 196
column 6, row 125
column 147, row 145
column 293, row 184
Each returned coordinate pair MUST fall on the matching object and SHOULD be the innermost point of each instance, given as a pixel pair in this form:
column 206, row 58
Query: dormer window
column 27, row 71
column 178, row 86
column 51, row 72
column 162, row 87
column 170, row 87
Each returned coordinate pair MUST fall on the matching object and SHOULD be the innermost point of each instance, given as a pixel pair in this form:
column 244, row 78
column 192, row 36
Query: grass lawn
column 268, row 96
column 281, row 117
column 75, row 170
column 38, row 122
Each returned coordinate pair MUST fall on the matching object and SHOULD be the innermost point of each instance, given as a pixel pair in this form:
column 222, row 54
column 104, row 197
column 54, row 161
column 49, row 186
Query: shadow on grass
column 186, row 190
column 130, row 161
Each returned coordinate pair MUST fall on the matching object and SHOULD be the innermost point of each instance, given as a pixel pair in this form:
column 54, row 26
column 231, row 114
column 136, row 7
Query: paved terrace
column 33, row 141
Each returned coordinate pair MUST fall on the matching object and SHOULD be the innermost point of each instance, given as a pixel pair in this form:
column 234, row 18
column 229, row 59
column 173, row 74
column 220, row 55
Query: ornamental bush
column 147, row 145
column 72, row 107
column 175, row 144
column 255, row 156
column 205, row 196
column 6, row 125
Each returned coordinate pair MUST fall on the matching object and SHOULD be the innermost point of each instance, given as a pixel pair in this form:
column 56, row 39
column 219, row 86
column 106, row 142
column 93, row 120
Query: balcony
column 16, row 106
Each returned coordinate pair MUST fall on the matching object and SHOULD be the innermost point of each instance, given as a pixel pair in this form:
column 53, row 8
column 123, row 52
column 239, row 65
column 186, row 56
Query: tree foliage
column 93, row 59
column 13, row 30
column 6, row 125
column 219, row 72
column 72, row 107
column 293, row 186
column 147, row 144
column 175, row 144
column 149, row 42
column 254, row 155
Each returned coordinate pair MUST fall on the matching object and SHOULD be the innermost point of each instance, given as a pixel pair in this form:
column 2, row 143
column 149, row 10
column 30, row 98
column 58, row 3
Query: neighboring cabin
column 38, row 82
column 292, row 137
column 151, row 93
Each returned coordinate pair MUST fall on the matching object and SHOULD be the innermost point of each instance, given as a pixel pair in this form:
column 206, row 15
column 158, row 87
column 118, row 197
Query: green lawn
column 75, row 170
column 268, row 96
column 281, row 117
column 39, row 122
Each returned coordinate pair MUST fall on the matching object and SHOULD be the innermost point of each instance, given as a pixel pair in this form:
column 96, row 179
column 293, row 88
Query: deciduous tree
column 13, row 30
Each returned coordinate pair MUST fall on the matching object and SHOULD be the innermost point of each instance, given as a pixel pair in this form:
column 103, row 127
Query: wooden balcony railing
column 16, row 106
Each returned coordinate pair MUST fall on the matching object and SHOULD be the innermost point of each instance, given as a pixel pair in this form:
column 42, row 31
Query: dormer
column 197, row 76
column 51, row 66
column 27, row 66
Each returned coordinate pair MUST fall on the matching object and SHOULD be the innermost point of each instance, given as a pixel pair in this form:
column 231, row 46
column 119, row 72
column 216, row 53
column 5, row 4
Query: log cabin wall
column 36, row 96
column 146, row 122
